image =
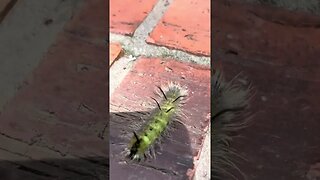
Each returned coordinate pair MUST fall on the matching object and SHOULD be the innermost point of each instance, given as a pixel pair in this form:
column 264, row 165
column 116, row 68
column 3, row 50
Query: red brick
column 129, row 100
column 126, row 15
column 114, row 50
column 185, row 26
column 90, row 21
column 266, row 34
column 63, row 103
column 279, row 52
column 285, row 127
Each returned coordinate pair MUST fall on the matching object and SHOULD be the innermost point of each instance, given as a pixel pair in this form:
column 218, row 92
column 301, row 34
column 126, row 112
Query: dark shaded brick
column 130, row 102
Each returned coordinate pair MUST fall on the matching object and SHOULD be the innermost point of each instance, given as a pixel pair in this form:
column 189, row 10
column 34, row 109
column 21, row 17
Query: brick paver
column 55, row 126
column 63, row 104
column 129, row 103
column 88, row 23
column 115, row 51
column 279, row 51
column 185, row 26
column 126, row 15
column 274, row 36
column 131, row 100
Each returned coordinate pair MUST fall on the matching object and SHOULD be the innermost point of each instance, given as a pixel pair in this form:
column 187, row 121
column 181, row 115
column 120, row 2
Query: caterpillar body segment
column 167, row 109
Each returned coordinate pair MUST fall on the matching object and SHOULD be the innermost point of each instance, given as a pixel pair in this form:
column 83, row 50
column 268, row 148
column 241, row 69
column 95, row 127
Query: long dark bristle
column 228, row 97
column 156, row 102
column 136, row 136
column 169, row 109
column 233, row 110
column 178, row 98
column 164, row 95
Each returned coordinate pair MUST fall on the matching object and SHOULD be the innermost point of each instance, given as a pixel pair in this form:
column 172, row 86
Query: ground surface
column 54, row 88
column 54, row 84
column 279, row 51
column 160, row 45
column 309, row 6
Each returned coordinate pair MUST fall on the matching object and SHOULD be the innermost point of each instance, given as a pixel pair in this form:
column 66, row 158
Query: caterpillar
column 230, row 113
column 167, row 110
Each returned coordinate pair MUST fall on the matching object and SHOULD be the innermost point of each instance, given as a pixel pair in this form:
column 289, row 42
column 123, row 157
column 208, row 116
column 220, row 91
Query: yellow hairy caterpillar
column 230, row 113
column 167, row 110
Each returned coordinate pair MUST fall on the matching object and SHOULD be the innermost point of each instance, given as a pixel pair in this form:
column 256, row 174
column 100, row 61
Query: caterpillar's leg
column 148, row 153
column 153, row 152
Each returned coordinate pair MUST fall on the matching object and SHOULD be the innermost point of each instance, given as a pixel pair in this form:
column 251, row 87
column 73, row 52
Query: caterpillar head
column 139, row 147
column 134, row 149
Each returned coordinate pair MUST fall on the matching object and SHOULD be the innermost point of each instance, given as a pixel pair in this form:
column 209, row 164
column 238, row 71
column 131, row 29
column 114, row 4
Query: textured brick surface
column 131, row 101
column 90, row 22
column 284, row 139
column 115, row 51
column 185, row 26
column 266, row 34
column 62, row 106
column 279, row 52
column 55, row 126
column 126, row 15
column 55, row 95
